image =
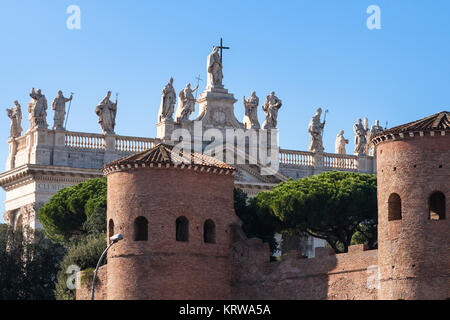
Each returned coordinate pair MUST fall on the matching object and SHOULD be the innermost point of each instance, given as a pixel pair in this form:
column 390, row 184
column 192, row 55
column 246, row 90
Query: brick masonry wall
column 162, row 268
column 414, row 252
column 84, row 293
column 327, row 276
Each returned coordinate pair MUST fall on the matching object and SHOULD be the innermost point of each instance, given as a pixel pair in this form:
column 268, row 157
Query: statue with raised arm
column 168, row 100
column 341, row 143
column 214, row 69
column 376, row 128
column 106, row 112
column 15, row 114
column 315, row 130
column 59, row 106
column 251, row 112
column 186, row 103
column 271, row 107
column 360, row 138
column 37, row 109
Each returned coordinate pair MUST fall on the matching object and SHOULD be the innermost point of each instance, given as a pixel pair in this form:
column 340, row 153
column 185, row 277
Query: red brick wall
column 162, row 268
column 328, row 276
column 414, row 253
column 84, row 293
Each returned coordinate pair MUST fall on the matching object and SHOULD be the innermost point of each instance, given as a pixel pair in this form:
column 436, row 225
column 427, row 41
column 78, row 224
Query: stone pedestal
column 165, row 129
column 217, row 109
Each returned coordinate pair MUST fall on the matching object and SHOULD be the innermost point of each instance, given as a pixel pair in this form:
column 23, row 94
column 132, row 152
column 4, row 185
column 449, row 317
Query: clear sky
column 311, row 53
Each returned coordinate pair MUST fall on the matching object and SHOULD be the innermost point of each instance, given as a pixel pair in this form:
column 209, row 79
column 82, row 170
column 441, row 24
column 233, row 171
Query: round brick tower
column 413, row 167
column 175, row 219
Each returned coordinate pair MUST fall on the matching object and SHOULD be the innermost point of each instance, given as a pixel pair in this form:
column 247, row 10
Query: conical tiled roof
column 437, row 122
column 163, row 155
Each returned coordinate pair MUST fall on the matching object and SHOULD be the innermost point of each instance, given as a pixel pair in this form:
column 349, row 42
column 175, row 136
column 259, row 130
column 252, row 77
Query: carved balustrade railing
column 132, row 144
column 296, row 158
column 324, row 160
column 81, row 140
column 92, row 141
column 340, row 161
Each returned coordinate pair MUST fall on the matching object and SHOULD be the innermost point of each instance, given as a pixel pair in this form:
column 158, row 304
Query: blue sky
column 311, row 53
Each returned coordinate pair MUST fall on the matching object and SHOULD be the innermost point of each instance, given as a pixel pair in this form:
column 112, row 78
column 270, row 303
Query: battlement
column 327, row 276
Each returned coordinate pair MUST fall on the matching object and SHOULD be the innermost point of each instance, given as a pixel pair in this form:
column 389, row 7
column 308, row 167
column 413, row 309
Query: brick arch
column 395, row 207
column 437, row 206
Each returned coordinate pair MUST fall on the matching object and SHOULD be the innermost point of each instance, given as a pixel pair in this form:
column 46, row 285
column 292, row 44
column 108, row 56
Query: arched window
column 394, row 207
column 209, row 232
column 111, row 228
column 437, row 206
column 140, row 229
column 182, row 232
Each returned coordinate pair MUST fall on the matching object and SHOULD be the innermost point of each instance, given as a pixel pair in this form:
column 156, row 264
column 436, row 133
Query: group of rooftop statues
column 106, row 111
column 37, row 113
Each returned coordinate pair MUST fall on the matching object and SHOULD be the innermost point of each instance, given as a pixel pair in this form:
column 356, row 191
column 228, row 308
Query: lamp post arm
column 98, row 266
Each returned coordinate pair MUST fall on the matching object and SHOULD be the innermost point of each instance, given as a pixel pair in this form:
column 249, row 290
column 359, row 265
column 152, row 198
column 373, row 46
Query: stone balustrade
column 91, row 150
column 297, row 164
column 72, row 149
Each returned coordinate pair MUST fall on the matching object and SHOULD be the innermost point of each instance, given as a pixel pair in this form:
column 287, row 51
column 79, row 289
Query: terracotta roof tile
column 163, row 154
column 437, row 122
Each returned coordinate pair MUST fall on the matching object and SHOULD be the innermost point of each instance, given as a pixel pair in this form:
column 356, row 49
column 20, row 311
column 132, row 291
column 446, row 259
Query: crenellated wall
column 348, row 276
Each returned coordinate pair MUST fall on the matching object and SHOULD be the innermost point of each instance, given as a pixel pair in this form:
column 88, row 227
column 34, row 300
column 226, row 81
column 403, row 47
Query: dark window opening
column 394, row 207
column 111, row 228
column 140, row 229
column 209, row 232
column 437, row 206
column 182, row 229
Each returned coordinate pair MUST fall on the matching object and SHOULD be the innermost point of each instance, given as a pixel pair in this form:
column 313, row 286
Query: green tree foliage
column 83, row 254
column 256, row 222
column 331, row 206
column 28, row 264
column 66, row 212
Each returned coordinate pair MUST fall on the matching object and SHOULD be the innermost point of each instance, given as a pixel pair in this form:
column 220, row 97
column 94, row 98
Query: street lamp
column 114, row 239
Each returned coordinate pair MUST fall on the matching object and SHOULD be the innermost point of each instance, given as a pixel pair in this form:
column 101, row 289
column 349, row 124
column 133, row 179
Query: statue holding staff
column 59, row 106
column 315, row 130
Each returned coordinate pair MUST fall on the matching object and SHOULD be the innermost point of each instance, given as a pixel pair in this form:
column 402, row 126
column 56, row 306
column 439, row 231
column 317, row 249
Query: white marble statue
column 59, row 106
column 106, row 112
column 251, row 112
column 186, row 103
column 214, row 68
column 360, row 138
column 341, row 143
column 37, row 109
column 315, row 130
column 367, row 129
column 168, row 100
column 376, row 128
column 271, row 107
column 15, row 114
